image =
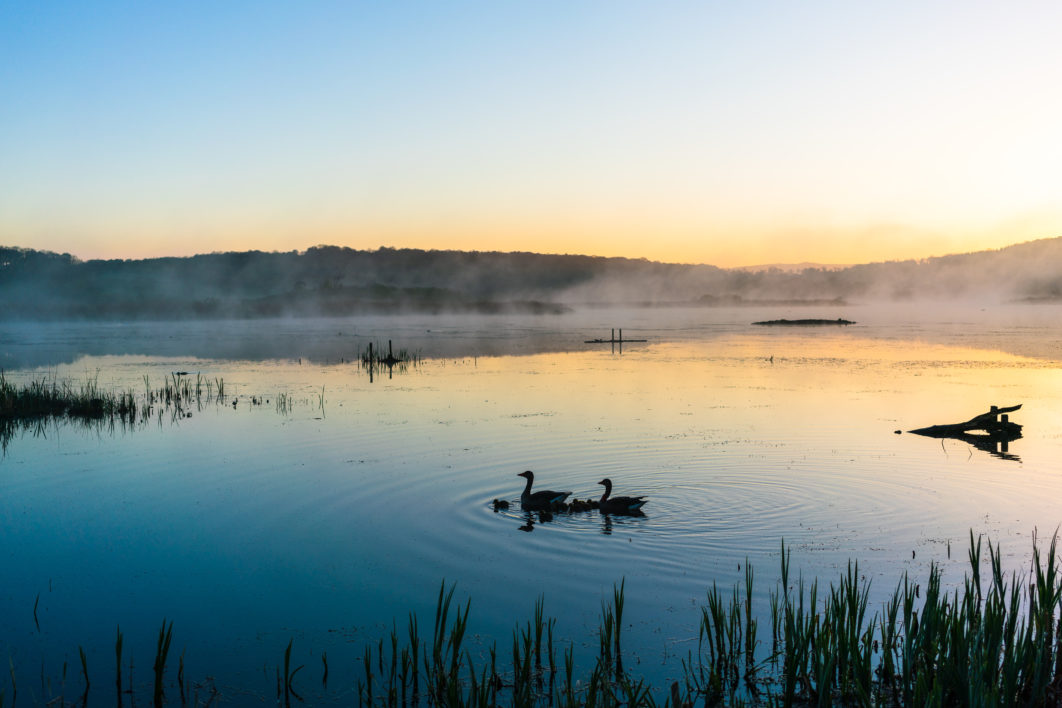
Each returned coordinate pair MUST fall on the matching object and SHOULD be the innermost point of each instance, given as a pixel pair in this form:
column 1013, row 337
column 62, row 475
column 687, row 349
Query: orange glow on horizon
column 736, row 246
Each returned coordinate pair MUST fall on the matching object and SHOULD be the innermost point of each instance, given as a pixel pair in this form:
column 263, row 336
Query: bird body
column 618, row 505
column 543, row 499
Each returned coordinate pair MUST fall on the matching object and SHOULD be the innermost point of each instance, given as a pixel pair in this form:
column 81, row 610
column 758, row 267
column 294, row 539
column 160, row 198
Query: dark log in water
column 996, row 431
column 994, row 422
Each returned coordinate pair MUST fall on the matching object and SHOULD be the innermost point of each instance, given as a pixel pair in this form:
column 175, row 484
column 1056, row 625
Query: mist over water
column 37, row 345
column 333, row 281
column 248, row 525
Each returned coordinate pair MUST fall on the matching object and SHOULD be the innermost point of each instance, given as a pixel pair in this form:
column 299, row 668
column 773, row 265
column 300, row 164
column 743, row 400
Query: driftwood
column 996, row 431
column 994, row 422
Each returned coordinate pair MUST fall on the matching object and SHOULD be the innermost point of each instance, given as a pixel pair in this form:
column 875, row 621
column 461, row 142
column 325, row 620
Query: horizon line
column 801, row 265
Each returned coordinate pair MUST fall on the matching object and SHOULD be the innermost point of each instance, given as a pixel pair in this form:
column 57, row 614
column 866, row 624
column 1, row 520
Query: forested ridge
column 330, row 280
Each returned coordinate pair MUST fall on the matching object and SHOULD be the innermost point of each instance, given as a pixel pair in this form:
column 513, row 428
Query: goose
column 618, row 505
column 544, row 499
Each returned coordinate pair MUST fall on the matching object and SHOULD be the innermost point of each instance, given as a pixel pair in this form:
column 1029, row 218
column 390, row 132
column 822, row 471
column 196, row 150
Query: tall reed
column 992, row 640
column 162, row 650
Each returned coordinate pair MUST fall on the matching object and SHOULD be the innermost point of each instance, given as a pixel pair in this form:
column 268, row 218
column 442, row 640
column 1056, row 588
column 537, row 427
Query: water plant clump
column 31, row 406
column 42, row 398
column 373, row 361
column 373, row 354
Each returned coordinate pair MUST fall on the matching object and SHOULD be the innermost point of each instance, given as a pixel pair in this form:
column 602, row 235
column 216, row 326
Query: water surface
column 329, row 519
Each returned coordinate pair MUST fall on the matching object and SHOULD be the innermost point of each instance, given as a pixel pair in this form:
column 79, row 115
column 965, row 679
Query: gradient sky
column 725, row 133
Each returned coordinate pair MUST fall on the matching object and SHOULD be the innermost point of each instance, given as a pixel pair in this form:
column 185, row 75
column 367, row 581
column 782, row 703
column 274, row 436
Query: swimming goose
column 543, row 499
column 618, row 505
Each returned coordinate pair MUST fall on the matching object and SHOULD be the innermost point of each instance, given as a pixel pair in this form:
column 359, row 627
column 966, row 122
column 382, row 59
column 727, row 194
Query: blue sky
column 701, row 132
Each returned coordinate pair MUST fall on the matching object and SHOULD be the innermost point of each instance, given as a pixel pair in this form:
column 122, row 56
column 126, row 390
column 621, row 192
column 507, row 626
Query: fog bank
column 333, row 281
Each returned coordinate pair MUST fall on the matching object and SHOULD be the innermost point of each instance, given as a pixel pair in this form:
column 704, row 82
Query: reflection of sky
column 1019, row 329
column 248, row 526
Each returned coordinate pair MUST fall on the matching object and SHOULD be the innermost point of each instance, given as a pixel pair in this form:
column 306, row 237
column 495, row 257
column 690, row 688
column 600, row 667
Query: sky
column 726, row 133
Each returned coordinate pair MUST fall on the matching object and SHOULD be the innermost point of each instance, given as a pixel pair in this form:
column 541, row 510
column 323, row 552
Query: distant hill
column 329, row 280
column 794, row 267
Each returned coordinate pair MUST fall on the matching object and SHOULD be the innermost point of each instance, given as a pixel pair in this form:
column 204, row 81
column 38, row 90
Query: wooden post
column 390, row 356
column 613, row 334
column 993, row 410
column 621, row 335
column 370, row 352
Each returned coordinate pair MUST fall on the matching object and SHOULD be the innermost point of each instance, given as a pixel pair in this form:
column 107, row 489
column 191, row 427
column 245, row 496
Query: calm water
column 248, row 526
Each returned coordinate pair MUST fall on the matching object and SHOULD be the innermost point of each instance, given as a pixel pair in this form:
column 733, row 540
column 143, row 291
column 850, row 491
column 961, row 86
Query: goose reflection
column 531, row 517
column 607, row 521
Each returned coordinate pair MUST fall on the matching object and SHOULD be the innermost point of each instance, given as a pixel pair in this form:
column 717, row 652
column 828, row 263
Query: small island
column 805, row 323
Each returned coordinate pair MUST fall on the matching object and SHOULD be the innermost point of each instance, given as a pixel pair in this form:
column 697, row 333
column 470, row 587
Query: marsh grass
column 32, row 406
column 992, row 640
column 35, row 406
column 42, row 398
column 992, row 645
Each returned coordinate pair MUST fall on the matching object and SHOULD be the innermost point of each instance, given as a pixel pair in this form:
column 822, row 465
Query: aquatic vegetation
column 996, row 642
column 161, row 652
column 289, row 678
column 373, row 354
column 283, row 403
column 42, row 398
column 119, row 640
column 30, row 406
column 84, row 674
column 374, row 362
column 41, row 402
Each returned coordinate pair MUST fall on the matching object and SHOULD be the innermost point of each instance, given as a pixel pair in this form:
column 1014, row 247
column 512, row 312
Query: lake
column 321, row 504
